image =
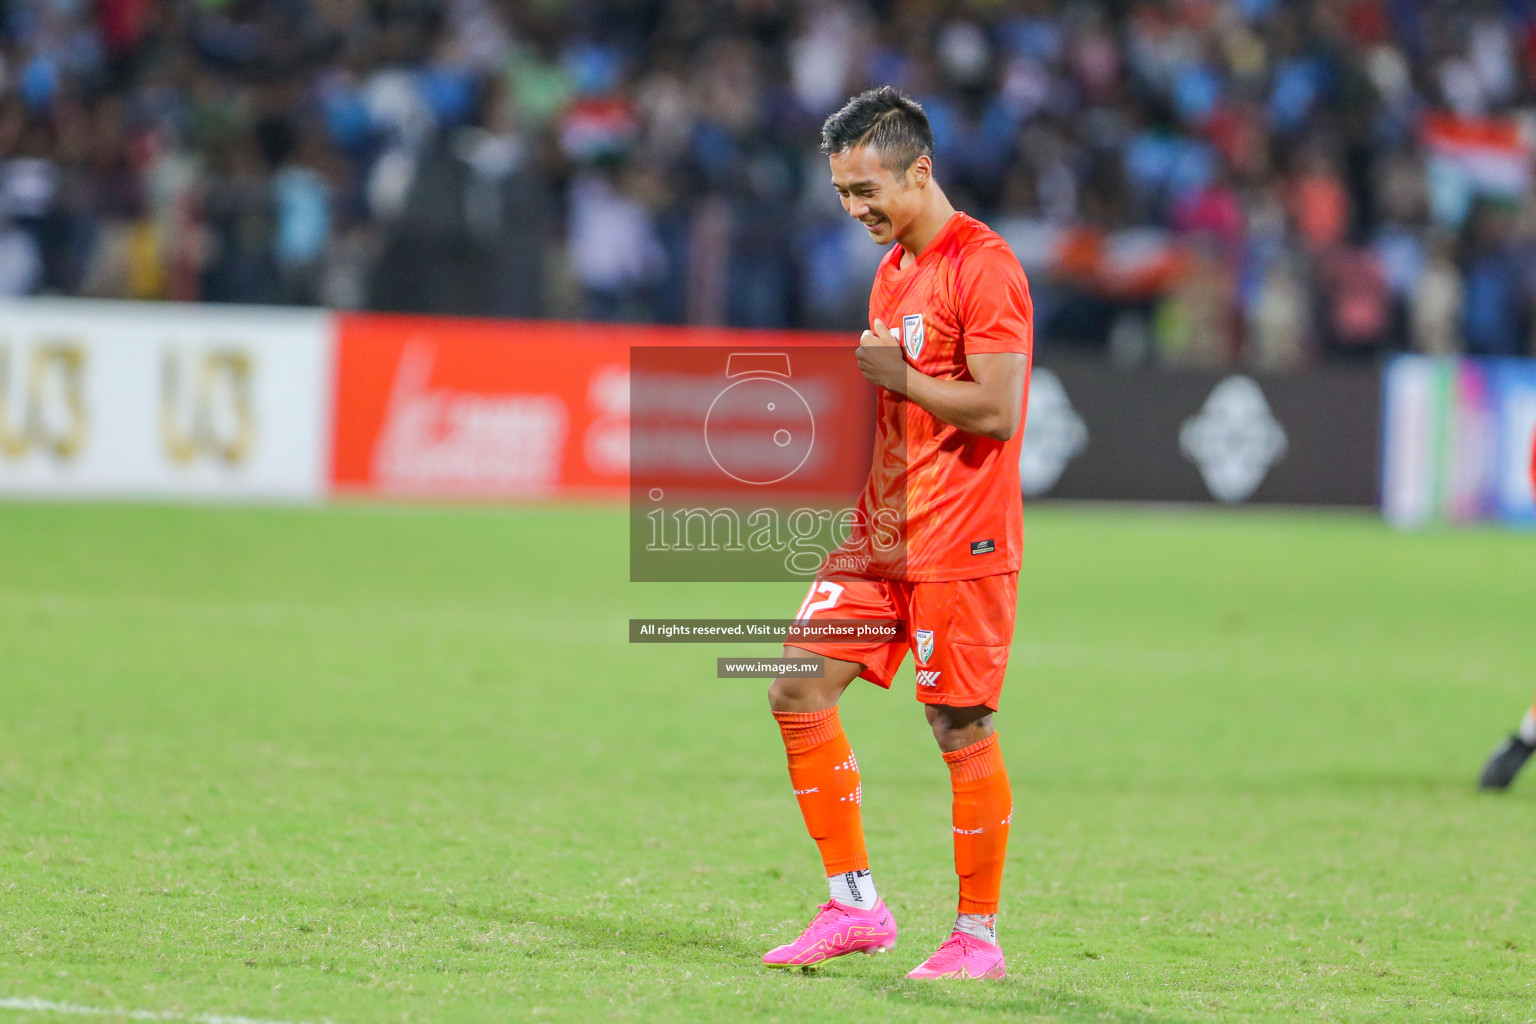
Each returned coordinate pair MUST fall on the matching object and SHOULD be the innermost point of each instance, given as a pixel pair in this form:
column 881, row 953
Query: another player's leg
column 982, row 812
column 825, row 777
column 1510, row 756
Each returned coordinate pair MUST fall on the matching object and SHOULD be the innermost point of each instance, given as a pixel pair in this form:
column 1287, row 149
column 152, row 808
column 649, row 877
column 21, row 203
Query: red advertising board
column 437, row 407
column 755, row 423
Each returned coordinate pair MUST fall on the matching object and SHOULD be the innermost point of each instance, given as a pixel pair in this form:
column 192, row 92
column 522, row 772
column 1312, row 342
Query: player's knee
column 778, row 693
column 786, row 694
column 791, row 694
column 958, row 728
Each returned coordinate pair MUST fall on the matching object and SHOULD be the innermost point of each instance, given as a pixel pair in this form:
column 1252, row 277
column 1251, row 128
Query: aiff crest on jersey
column 912, row 333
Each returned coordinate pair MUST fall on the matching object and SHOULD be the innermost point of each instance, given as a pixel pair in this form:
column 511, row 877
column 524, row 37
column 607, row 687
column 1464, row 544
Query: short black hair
column 885, row 120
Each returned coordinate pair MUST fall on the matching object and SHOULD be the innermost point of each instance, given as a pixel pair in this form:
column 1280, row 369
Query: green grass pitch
column 374, row 764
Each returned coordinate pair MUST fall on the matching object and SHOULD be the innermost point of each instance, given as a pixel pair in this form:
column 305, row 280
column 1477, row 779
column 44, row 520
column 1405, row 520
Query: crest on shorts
column 912, row 333
column 924, row 644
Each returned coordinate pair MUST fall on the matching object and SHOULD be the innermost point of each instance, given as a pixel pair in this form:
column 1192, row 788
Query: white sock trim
column 854, row 889
column 979, row 926
column 1527, row 730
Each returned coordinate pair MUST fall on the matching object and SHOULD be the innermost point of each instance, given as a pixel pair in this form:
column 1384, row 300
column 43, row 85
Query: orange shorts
column 958, row 631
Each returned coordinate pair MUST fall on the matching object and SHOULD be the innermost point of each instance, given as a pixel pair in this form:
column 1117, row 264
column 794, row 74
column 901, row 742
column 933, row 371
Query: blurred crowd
column 1188, row 182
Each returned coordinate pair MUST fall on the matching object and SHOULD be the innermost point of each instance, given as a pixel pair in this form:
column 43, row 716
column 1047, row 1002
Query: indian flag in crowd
column 1473, row 157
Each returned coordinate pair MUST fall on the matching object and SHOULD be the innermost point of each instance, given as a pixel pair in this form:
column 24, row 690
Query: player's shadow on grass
column 1334, row 782
column 652, row 939
column 1350, row 781
column 684, row 944
column 1017, row 998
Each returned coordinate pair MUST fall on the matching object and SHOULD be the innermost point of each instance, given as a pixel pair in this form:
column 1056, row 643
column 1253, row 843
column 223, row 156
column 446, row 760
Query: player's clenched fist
column 880, row 361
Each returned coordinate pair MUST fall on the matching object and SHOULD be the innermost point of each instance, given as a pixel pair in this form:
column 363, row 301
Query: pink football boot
column 837, row 930
column 963, row 956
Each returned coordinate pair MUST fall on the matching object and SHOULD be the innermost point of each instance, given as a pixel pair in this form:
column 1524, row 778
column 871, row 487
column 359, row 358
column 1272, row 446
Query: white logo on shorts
column 928, row 677
column 924, row 645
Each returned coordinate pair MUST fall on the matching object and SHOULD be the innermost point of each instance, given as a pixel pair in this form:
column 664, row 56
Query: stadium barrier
column 430, row 407
column 1457, row 441
column 169, row 401
column 433, row 407
column 1100, row 433
column 118, row 399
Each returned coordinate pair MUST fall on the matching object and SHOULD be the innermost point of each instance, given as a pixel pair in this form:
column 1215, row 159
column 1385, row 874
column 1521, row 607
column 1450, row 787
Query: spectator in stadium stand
column 21, row 265
column 1435, row 309
column 1279, row 327
column 1195, row 323
column 1492, row 314
column 235, row 150
column 615, row 251
column 301, row 196
column 240, row 261
column 472, row 230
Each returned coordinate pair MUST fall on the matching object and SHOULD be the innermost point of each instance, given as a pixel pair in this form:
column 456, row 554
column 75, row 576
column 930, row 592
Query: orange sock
column 982, row 812
column 826, row 781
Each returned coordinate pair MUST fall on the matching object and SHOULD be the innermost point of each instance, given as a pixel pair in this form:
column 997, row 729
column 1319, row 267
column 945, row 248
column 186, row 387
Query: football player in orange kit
column 1510, row 756
column 949, row 346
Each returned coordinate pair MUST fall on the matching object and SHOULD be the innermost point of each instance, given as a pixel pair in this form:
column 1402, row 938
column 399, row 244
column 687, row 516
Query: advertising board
column 1100, row 433
column 161, row 400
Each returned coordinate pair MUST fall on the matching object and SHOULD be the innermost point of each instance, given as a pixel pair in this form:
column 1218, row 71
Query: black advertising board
column 1097, row 433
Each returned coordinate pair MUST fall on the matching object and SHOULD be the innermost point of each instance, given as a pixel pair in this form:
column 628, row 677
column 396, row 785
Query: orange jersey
column 953, row 497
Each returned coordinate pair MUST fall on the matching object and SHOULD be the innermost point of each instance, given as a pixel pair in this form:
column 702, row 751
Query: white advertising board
column 116, row 399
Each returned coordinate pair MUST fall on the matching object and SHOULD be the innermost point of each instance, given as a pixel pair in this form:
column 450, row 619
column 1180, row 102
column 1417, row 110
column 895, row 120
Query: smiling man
column 949, row 347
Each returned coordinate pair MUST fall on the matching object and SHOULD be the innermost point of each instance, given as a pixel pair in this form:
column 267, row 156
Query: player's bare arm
column 990, row 404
